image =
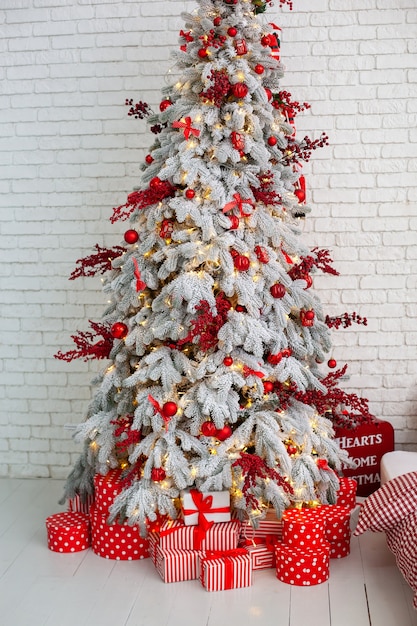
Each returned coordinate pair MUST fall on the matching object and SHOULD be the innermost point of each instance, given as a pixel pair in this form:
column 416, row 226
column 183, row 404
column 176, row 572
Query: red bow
column 322, row 464
column 186, row 125
column 203, row 505
column 287, row 257
column 187, row 35
column 248, row 372
column 158, row 409
column 140, row 285
column 237, row 202
column 229, row 564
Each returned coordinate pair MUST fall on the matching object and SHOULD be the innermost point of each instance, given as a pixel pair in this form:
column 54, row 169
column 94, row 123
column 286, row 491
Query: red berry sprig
column 139, row 110
column 345, row 320
column 219, row 88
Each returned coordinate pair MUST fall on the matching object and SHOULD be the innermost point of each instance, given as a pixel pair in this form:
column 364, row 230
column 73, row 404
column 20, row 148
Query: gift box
column 346, row 495
column 177, row 565
column 68, row 532
column 81, row 505
column 261, row 551
column 221, row 536
column 303, row 528
column 203, row 508
column 302, row 566
column 337, row 529
column 227, row 570
column 116, row 541
column 106, row 489
column 269, row 525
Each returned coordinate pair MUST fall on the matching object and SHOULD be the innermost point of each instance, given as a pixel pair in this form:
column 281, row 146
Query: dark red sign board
column 366, row 444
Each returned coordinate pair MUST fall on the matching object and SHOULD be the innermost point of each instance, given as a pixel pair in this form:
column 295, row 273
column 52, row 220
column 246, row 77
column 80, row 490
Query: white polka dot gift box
column 302, row 567
column 116, row 541
column 68, row 532
column 106, row 489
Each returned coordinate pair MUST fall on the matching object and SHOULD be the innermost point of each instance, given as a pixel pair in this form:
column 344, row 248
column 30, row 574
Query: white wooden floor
column 42, row 588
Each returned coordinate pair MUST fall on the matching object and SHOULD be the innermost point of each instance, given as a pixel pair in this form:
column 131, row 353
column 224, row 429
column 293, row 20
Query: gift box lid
column 67, row 522
column 309, row 551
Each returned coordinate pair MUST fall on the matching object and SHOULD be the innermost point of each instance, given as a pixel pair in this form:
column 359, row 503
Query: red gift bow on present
column 238, row 202
column 186, row 125
column 203, row 505
column 158, row 409
column 140, row 285
column 229, row 565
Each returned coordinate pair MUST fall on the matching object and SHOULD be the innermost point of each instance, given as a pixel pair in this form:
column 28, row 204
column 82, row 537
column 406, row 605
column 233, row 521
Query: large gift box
column 205, row 507
column 68, row 532
column 337, row 529
column 177, row 565
column 227, row 570
column 106, row 489
column 346, row 495
column 261, row 551
column 302, row 566
column 303, row 528
column 221, row 536
column 116, row 541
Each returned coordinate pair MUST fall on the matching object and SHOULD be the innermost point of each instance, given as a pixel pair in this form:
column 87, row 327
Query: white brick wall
column 69, row 153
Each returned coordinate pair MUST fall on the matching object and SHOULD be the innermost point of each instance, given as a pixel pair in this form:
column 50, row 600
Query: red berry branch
column 87, row 345
column 124, row 433
column 255, row 470
column 321, row 260
column 282, row 101
column 213, row 39
column 345, row 320
column 207, row 325
column 143, row 199
column 98, row 263
column 264, row 192
column 219, row 89
column 296, row 151
column 139, row 110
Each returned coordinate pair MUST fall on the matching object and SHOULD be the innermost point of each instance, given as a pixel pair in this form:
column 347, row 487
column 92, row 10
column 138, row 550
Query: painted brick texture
column 69, row 153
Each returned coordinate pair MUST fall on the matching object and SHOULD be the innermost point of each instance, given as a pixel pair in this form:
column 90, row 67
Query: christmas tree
column 213, row 332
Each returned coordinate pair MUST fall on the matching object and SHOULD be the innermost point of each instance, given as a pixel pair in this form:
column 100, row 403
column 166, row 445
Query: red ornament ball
column 190, row 193
column 332, row 363
column 131, row 236
column 232, row 31
column 272, row 141
column 259, row 69
column 224, row 433
column 169, row 409
column 268, row 386
column 217, row 21
column 164, row 105
column 265, row 40
column 300, row 195
column 309, row 315
column 158, row 474
column 241, row 263
column 149, row 159
column 228, row 361
column 155, row 183
column 268, row 93
column 240, row 309
column 119, row 330
column 286, row 352
column 234, row 222
column 240, row 90
column 202, row 53
column 278, row 290
column 208, row 429
column 274, row 359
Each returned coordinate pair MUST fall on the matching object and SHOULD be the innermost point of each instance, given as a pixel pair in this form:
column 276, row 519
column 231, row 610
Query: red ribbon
column 247, row 371
column 238, row 202
column 268, row 541
column 158, row 409
column 229, row 564
column 198, row 533
column 203, row 505
column 140, row 285
column 287, row 257
column 186, row 125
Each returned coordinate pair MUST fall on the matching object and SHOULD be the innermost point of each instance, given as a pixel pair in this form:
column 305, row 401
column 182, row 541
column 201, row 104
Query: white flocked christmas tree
column 214, row 336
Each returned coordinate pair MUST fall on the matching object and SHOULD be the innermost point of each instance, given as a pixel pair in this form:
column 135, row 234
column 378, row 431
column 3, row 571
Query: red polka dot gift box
column 120, row 542
column 68, row 532
column 346, row 495
column 302, row 567
column 303, row 528
column 337, row 529
column 106, row 489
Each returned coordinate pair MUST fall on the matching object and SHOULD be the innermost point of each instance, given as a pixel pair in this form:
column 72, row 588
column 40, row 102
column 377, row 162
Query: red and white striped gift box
column 270, row 525
column 81, row 505
column 337, row 529
column 303, row 528
column 232, row 570
column 302, row 566
column 261, row 552
column 346, row 495
column 106, row 489
column 221, row 536
column 68, row 532
column 177, row 565
column 116, row 541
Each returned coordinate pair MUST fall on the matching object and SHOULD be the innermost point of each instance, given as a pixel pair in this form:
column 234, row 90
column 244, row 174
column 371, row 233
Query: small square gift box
column 226, row 570
column 177, row 565
column 303, row 528
column 116, row 541
column 79, row 504
column 267, row 526
column 261, row 551
column 337, row 529
column 346, row 495
column 221, row 536
column 302, row 566
column 68, row 532
column 106, row 489
column 205, row 507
